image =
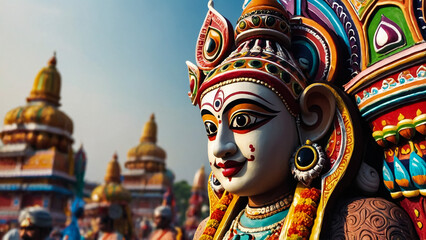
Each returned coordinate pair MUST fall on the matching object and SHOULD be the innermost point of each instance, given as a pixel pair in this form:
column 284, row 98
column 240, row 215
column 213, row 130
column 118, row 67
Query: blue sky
column 120, row 61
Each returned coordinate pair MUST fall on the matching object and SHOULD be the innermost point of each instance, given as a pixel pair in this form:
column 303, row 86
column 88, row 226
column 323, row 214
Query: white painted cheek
column 212, row 148
column 212, row 159
column 247, row 144
column 271, row 150
column 210, row 153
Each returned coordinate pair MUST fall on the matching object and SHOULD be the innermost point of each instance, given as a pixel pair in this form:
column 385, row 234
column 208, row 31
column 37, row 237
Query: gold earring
column 307, row 162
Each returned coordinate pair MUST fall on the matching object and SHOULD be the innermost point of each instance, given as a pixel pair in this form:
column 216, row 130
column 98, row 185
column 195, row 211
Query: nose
column 224, row 150
column 224, row 144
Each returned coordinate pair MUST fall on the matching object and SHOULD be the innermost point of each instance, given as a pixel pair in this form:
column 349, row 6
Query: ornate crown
column 258, row 53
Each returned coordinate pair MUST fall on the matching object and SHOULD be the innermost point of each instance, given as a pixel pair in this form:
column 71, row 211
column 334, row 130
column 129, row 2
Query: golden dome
column 113, row 172
column 47, row 84
column 40, row 113
column 112, row 190
column 147, row 149
column 199, row 182
column 159, row 178
column 40, row 123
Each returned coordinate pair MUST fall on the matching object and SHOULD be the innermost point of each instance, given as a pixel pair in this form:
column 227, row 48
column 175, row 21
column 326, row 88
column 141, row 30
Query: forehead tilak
column 235, row 80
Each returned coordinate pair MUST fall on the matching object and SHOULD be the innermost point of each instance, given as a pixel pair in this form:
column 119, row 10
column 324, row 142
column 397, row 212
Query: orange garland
column 216, row 217
column 303, row 218
column 304, row 214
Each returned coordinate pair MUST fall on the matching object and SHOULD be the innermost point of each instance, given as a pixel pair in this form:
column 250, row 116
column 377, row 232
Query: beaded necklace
column 270, row 209
column 262, row 223
column 300, row 225
column 268, row 228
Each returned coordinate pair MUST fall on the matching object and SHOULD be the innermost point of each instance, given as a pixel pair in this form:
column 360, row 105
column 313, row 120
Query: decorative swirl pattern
column 378, row 222
column 369, row 218
column 364, row 235
column 394, row 233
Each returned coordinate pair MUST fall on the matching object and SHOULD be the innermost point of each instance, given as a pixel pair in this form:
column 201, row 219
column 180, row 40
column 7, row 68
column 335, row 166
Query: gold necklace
column 270, row 209
column 275, row 229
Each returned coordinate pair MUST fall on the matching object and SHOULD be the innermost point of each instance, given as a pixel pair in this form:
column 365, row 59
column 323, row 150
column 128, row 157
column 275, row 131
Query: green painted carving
column 394, row 14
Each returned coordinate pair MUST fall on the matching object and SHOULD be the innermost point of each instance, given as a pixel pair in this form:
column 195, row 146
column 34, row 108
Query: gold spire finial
column 149, row 133
column 47, row 84
column 113, row 172
column 53, row 61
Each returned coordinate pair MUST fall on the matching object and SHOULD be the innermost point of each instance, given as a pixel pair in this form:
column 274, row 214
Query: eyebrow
column 248, row 93
column 205, row 112
column 245, row 100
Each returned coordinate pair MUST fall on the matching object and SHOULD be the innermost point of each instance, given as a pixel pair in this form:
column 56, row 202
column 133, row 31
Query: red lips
column 230, row 168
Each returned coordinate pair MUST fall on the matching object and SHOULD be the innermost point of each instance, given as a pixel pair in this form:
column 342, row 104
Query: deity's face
column 251, row 137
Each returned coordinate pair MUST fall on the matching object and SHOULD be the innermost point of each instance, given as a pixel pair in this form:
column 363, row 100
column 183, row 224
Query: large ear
column 317, row 105
column 195, row 80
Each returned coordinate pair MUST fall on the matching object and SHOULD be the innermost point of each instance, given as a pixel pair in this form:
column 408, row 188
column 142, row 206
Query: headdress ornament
column 163, row 211
column 35, row 216
column 261, row 55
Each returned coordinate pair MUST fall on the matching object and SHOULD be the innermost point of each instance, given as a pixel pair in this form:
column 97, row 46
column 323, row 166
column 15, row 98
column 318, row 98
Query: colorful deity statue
column 290, row 154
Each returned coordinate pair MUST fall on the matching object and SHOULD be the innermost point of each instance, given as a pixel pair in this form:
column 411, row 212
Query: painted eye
column 242, row 121
column 211, row 128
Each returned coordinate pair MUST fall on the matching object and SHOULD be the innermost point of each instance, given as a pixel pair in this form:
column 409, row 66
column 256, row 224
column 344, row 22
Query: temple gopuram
column 37, row 165
column 109, row 202
column 147, row 177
